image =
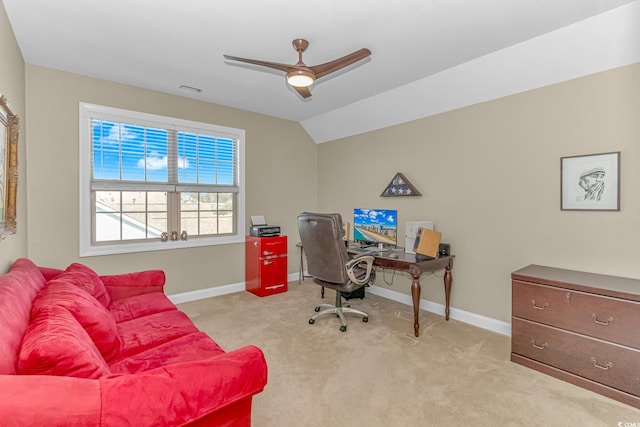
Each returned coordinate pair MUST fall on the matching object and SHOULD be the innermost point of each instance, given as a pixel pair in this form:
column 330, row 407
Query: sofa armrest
column 50, row 272
column 130, row 284
column 184, row 392
column 45, row 400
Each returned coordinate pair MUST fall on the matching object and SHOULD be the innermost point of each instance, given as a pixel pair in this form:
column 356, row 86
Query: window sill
column 123, row 248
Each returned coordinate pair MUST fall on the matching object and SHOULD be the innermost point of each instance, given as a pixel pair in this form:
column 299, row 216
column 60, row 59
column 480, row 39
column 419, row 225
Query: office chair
column 329, row 265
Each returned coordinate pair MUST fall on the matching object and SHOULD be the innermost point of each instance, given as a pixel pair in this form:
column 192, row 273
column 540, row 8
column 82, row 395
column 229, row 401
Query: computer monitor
column 375, row 226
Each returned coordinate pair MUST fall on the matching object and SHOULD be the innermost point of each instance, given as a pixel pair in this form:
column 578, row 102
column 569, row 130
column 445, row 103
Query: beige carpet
column 378, row 374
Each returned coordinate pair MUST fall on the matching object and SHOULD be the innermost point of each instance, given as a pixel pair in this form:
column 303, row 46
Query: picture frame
column 590, row 182
column 9, row 127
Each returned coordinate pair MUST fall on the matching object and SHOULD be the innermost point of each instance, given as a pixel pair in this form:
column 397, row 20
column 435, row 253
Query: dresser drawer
column 610, row 364
column 611, row 319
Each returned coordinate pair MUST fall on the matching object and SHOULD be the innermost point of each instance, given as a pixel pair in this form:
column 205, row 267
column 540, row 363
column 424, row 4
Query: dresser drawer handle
column 600, row 322
column 604, row 368
column 539, row 347
column 545, row 305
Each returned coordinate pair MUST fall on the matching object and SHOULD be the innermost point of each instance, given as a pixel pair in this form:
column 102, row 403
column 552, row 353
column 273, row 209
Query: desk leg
column 415, row 272
column 301, row 274
column 447, row 290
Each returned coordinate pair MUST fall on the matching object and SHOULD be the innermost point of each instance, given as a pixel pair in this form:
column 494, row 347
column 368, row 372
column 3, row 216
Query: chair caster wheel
column 343, row 328
column 312, row 321
column 317, row 309
column 365, row 319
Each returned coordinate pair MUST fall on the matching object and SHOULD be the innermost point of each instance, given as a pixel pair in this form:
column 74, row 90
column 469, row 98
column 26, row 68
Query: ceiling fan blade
column 303, row 91
column 282, row 67
column 335, row 65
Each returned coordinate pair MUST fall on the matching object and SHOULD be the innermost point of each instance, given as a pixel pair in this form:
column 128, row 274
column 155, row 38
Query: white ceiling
column 417, row 45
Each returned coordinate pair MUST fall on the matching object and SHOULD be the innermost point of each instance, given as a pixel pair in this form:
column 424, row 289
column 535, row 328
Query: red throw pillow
column 87, row 279
column 93, row 316
column 56, row 344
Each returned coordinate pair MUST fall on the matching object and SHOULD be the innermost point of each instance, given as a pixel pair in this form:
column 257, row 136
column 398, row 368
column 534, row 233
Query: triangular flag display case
column 400, row 187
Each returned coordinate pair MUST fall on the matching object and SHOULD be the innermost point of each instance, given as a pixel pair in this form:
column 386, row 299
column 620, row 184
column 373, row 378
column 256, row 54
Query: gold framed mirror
column 9, row 126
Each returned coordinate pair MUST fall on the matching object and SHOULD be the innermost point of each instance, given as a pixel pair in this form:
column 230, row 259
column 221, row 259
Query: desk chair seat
column 329, row 265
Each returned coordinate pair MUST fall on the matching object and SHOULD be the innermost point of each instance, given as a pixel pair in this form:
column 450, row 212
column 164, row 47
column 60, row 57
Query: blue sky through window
column 137, row 153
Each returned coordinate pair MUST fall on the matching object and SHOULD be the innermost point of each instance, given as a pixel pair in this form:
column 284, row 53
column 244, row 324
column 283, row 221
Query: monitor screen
column 375, row 226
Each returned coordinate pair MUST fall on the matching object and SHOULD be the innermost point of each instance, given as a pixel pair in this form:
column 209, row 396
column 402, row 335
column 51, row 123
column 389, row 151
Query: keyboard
column 363, row 251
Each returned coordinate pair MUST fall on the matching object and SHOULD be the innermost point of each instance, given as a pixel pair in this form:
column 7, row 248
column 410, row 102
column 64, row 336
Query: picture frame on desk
column 590, row 182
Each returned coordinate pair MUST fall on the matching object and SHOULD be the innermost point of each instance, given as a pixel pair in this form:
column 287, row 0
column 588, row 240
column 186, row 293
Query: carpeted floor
column 379, row 374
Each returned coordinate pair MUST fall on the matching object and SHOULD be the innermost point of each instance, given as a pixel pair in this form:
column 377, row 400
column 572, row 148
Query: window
column 152, row 183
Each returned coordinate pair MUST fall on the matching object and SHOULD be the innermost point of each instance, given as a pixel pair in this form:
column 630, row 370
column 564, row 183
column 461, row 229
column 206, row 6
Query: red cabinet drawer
column 266, row 265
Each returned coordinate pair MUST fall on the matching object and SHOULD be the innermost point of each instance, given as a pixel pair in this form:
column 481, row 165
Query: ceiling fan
column 301, row 76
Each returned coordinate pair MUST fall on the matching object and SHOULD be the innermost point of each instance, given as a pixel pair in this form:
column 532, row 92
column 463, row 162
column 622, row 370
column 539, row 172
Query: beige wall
column 12, row 87
column 281, row 180
column 489, row 175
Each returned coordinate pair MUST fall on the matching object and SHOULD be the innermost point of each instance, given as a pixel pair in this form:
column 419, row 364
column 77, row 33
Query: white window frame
column 86, row 246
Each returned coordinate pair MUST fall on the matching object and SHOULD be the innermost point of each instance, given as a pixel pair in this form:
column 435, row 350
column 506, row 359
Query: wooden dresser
column 580, row 327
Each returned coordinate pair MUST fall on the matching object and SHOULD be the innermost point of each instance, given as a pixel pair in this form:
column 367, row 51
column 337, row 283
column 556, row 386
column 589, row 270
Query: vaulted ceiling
column 428, row 56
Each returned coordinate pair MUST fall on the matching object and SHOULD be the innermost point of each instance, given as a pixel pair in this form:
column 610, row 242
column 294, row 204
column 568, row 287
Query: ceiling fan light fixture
column 300, row 78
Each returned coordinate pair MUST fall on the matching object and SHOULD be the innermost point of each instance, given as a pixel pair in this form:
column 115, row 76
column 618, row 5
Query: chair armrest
column 368, row 260
column 130, row 284
column 183, row 392
column 47, row 400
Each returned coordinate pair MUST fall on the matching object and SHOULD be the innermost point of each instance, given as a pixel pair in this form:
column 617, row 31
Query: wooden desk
column 408, row 262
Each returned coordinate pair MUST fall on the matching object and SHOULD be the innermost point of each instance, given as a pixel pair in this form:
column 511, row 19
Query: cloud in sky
column 155, row 162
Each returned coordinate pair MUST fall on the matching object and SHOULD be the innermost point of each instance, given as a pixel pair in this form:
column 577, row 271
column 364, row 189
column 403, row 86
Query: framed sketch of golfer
column 590, row 182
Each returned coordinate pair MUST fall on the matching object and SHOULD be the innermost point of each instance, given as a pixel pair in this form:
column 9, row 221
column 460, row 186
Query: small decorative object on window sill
column 400, row 186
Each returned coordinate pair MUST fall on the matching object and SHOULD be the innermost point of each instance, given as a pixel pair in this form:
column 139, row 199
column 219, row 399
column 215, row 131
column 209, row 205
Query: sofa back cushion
column 56, row 344
column 93, row 316
column 87, row 279
column 18, row 288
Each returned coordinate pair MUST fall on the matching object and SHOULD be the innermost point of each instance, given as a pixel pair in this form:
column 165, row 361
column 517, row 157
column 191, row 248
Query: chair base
column 340, row 310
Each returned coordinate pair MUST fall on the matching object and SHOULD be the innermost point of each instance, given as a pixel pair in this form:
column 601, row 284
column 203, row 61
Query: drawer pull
column 539, row 347
column 604, row 368
column 542, row 307
column 600, row 322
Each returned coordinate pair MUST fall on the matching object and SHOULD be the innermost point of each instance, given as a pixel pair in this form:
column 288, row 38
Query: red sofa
column 87, row 350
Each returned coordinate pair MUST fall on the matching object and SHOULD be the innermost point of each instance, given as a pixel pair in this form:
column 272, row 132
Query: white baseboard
column 483, row 322
column 215, row 291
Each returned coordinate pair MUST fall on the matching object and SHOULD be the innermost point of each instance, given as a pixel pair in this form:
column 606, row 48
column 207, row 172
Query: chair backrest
column 321, row 236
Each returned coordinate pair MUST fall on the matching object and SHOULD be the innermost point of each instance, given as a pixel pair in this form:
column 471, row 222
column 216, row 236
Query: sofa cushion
column 189, row 348
column 145, row 332
column 93, row 316
column 125, row 285
column 87, row 279
column 140, row 305
column 18, row 288
column 56, row 344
